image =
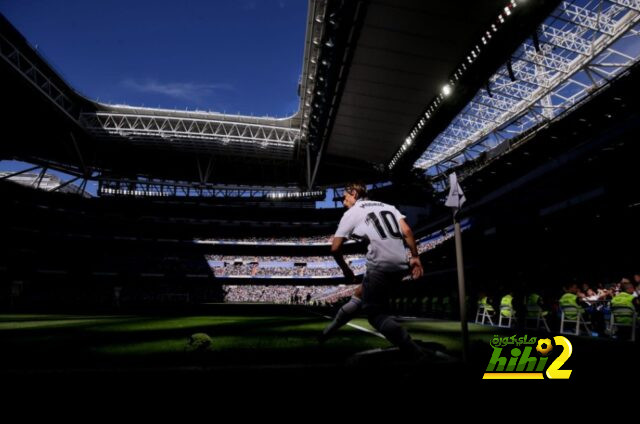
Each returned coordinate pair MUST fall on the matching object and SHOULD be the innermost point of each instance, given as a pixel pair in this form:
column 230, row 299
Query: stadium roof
column 371, row 70
column 580, row 47
column 404, row 55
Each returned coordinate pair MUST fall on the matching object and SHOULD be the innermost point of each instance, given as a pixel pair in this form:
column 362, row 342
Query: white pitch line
column 375, row 333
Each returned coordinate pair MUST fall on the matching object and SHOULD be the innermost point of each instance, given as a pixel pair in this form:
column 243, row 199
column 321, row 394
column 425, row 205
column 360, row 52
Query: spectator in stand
column 570, row 299
column 485, row 302
column 507, row 309
column 591, row 297
column 534, row 305
column 584, row 289
column 625, row 299
column 602, row 292
column 270, row 294
column 574, row 297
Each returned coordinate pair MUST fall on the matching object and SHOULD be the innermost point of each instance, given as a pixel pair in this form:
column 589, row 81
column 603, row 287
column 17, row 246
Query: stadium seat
column 536, row 313
column 415, row 306
column 435, row 307
column 483, row 314
column 446, row 306
column 426, row 303
column 508, row 315
column 620, row 314
column 573, row 315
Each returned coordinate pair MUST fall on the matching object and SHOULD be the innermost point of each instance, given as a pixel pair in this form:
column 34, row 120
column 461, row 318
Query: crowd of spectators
column 432, row 243
column 296, row 271
column 307, row 240
column 335, row 295
column 289, row 259
column 592, row 300
column 254, row 266
column 602, row 291
column 424, row 243
column 282, row 266
column 308, row 295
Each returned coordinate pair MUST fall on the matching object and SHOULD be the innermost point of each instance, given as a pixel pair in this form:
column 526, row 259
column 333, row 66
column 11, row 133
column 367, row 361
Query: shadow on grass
column 158, row 342
column 252, row 340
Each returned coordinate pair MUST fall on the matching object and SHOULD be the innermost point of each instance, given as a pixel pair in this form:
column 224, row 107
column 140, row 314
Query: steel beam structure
column 263, row 137
column 39, row 78
column 581, row 46
column 14, row 174
column 219, row 133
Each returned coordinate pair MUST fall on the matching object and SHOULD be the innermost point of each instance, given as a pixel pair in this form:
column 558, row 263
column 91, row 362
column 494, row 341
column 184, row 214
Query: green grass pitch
column 33, row 341
column 262, row 338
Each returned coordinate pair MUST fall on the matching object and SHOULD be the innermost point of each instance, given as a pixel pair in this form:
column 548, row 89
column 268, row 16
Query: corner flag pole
column 454, row 201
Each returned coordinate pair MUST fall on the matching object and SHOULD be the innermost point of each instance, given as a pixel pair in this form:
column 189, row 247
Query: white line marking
column 366, row 330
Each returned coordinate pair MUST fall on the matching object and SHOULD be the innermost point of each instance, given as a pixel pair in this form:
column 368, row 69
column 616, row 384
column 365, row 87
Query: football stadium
column 491, row 140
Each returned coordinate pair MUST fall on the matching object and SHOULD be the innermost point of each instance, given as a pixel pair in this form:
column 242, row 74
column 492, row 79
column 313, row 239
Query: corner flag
column 456, row 196
column 455, row 200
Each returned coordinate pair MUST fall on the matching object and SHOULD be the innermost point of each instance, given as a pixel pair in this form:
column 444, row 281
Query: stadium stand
column 551, row 192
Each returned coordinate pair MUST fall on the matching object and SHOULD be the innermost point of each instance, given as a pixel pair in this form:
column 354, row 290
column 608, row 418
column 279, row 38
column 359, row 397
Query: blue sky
column 242, row 56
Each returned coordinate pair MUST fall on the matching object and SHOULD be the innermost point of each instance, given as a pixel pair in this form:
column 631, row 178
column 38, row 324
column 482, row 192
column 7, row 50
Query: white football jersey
column 379, row 224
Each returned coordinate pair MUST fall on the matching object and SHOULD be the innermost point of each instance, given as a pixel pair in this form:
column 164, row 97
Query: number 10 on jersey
column 390, row 223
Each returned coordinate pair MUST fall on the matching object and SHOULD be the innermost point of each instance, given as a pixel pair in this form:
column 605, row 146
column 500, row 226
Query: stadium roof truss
column 214, row 133
column 580, row 47
column 238, row 135
column 39, row 77
column 328, row 47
